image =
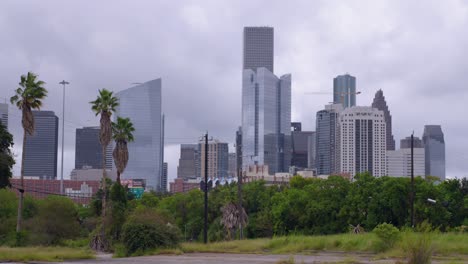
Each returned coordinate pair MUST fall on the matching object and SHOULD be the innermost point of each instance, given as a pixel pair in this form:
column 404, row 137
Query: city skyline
column 382, row 68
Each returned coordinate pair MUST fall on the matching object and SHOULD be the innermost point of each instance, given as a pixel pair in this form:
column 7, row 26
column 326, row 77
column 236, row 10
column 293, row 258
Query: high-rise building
column 4, row 115
column 218, row 159
column 189, row 161
column 380, row 103
column 399, row 161
column 326, row 140
column 164, row 177
column 232, row 162
column 312, row 151
column 344, row 90
column 88, row 150
column 40, row 153
column 362, row 141
column 266, row 120
column 434, row 146
column 300, row 146
column 142, row 104
column 258, row 48
column 296, row 126
column 239, row 148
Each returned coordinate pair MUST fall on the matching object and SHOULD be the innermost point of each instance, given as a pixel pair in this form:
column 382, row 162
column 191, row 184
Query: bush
column 147, row 229
column 418, row 247
column 388, row 235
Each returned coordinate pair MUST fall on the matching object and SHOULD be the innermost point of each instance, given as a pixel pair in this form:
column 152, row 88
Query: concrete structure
column 326, row 140
column 88, row 150
column 180, row 185
column 142, row 104
column 262, row 172
column 266, row 120
column 232, row 165
column 189, row 161
column 218, row 159
column 258, row 48
column 164, row 177
column 344, row 90
column 4, row 115
column 79, row 191
column 362, row 135
column 380, row 103
column 91, row 174
column 434, row 145
column 40, row 158
column 302, row 143
column 399, row 161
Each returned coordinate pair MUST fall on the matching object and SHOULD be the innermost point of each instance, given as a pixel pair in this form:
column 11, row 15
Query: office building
column 434, row 146
column 4, row 115
column 232, row 165
column 380, row 103
column 40, row 154
column 258, row 48
column 326, row 140
column 300, row 142
column 266, row 120
column 164, row 177
column 189, row 161
column 344, row 90
column 218, row 159
column 399, row 161
column 362, row 140
column 91, row 174
column 296, row 126
column 142, row 104
column 88, row 149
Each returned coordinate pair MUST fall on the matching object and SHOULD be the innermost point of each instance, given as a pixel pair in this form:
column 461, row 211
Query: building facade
column 380, row 103
column 301, row 149
column 434, row 146
column 239, row 148
column 91, row 174
column 258, row 48
column 218, row 159
column 362, row 137
column 189, row 161
column 88, row 150
column 344, row 90
column 326, row 140
column 399, row 161
column 40, row 153
column 164, row 177
column 266, row 120
column 4, row 115
column 232, row 165
column 142, row 104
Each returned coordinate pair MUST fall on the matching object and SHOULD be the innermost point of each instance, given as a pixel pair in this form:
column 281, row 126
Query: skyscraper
column 40, row 153
column 232, row 165
column 399, row 161
column 239, row 148
column 363, row 141
column 164, row 177
column 88, row 150
column 406, row 143
column 142, row 104
column 326, row 140
column 434, row 146
column 4, row 115
column 380, row 103
column 258, row 48
column 266, row 120
column 344, row 90
column 300, row 146
column 189, row 161
column 218, row 159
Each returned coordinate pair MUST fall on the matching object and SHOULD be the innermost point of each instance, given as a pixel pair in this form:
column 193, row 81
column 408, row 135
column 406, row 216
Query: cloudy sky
column 414, row 50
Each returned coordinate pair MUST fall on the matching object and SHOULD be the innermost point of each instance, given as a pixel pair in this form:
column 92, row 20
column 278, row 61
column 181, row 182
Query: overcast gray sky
column 414, row 50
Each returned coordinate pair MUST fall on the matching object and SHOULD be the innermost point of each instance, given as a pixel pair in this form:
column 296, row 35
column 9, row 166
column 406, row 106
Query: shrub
column 418, row 247
column 388, row 235
column 146, row 229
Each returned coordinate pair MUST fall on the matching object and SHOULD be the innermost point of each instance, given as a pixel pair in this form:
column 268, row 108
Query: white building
column 399, row 162
column 362, row 141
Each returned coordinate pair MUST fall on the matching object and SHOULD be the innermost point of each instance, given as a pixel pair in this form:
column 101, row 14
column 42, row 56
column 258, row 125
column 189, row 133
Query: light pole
column 63, row 132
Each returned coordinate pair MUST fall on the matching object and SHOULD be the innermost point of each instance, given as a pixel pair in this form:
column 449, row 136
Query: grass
column 52, row 254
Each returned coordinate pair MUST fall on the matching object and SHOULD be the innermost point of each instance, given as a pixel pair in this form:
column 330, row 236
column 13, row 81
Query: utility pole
column 205, row 230
column 239, row 205
column 63, row 132
column 412, row 179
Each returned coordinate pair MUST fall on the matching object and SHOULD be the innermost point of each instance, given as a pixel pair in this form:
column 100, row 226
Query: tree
column 104, row 105
column 6, row 157
column 232, row 218
column 122, row 134
column 27, row 97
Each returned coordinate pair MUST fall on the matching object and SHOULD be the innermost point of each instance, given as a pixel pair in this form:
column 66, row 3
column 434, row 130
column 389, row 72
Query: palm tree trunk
column 19, row 219
column 104, row 182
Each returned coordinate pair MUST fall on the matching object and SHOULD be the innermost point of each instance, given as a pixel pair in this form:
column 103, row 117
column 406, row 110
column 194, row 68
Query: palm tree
column 122, row 134
column 28, row 96
column 104, row 105
column 232, row 218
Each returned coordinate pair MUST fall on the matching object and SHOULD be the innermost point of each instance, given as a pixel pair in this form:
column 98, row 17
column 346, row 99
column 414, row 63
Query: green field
column 43, row 254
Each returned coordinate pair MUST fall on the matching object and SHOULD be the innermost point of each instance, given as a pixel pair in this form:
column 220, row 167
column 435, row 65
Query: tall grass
column 23, row 254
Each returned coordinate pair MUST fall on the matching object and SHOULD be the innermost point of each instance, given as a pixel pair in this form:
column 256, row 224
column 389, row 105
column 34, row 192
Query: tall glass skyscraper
column 326, row 140
column 434, row 146
column 142, row 104
column 40, row 155
column 266, row 120
column 88, row 150
column 258, row 48
column 344, row 90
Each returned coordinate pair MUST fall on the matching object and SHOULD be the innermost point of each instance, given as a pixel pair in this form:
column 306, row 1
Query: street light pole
column 205, row 224
column 412, row 179
column 63, row 132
